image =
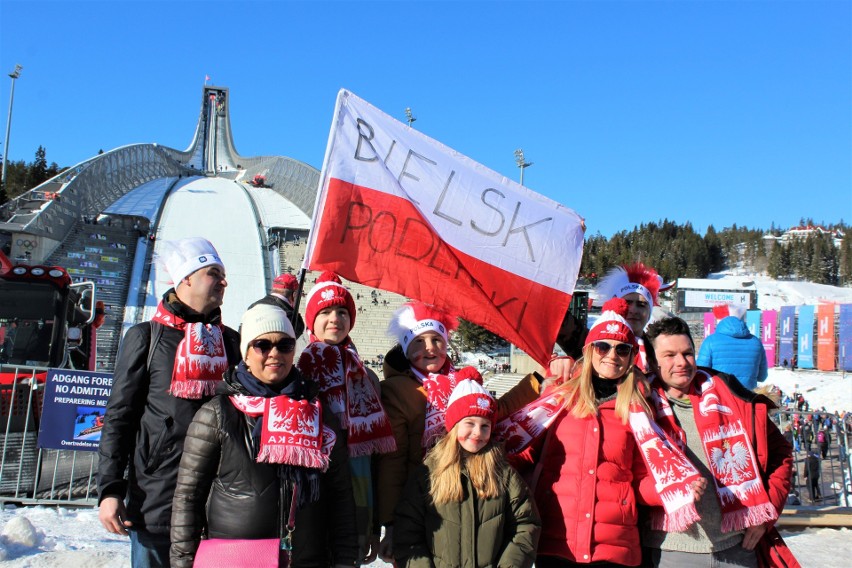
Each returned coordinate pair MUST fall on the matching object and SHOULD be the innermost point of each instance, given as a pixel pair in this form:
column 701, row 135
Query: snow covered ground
column 40, row 537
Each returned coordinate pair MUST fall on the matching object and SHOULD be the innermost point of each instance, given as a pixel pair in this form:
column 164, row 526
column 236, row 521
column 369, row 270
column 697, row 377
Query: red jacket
column 592, row 475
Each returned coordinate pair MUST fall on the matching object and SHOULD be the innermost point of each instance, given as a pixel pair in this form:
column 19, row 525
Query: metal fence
column 28, row 474
column 832, row 484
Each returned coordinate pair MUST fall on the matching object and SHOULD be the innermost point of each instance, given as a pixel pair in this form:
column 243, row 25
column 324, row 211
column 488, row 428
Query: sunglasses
column 264, row 346
column 622, row 349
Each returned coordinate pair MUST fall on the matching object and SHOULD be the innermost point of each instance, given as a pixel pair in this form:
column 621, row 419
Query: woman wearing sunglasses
column 587, row 470
column 264, row 441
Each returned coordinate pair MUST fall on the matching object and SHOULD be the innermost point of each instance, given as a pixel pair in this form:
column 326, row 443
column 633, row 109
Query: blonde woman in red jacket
column 589, row 474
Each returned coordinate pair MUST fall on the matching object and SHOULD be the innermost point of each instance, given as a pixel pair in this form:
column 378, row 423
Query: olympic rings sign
column 27, row 243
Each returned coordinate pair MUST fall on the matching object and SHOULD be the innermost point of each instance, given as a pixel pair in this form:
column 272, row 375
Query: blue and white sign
column 74, row 408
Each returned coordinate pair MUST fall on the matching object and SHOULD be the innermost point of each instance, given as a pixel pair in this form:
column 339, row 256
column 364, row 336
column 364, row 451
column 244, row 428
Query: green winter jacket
column 501, row 532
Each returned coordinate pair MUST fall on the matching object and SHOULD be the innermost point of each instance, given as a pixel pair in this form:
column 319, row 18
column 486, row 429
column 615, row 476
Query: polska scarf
column 347, row 391
column 736, row 475
column 200, row 359
column 672, row 472
column 439, row 387
column 292, row 431
column 288, row 429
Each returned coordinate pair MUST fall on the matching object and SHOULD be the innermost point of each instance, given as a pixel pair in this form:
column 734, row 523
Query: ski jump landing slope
column 221, row 211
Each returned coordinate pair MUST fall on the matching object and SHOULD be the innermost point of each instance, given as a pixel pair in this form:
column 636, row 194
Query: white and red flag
column 399, row 211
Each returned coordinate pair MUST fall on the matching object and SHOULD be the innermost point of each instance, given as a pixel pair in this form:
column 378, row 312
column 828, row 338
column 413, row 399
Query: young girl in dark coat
column 466, row 506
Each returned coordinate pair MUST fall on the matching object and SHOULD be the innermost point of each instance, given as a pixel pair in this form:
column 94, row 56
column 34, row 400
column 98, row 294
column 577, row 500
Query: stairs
column 103, row 254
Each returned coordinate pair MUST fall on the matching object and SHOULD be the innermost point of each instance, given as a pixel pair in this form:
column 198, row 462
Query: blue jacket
column 734, row 350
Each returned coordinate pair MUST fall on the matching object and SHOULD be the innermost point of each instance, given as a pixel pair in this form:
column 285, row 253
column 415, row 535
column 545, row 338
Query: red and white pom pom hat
column 417, row 318
column 612, row 324
column 328, row 292
column 469, row 398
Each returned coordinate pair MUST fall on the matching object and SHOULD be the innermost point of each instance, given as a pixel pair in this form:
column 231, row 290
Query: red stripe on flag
column 382, row 241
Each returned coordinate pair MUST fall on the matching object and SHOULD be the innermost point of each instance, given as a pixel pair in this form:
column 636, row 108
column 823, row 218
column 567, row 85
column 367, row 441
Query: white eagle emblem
column 483, row 402
column 612, row 328
column 327, row 294
column 731, row 462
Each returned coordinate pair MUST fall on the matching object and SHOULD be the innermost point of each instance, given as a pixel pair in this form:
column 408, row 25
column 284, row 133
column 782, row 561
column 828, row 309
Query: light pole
column 522, row 163
column 408, row 116
column 14, row 75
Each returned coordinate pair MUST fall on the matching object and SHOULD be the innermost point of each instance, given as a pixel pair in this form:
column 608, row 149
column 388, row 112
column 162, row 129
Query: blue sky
column 712, row 112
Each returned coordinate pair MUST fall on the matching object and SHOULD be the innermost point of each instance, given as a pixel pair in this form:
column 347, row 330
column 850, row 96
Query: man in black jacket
column 283, row 289
column 166, row 370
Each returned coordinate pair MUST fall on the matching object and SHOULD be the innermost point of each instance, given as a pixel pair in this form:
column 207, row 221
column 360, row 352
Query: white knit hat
column 263, row 318
column 182, row 257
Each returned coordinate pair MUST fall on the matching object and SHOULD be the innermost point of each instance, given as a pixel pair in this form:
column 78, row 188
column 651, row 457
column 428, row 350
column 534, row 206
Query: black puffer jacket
column 147, row 425
column 222, row 488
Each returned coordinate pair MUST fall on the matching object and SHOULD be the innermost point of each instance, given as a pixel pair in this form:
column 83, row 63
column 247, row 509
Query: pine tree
column 37, row 172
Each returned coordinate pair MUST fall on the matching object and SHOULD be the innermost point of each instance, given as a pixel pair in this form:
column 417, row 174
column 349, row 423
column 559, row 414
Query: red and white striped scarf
column 292, row 430
column 672, row 472
column 732, row 459
column 347, row 391
column 200, row 359
column 439, row 387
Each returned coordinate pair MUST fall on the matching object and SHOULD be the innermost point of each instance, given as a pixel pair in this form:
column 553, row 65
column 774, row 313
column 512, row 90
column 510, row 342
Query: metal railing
column 29, row 474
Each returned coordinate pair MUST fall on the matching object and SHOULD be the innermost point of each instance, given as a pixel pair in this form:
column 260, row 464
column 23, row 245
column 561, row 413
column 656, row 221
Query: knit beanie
column 326, row 293
column 263, row 318
column 417, row 318
column 182, row 257
column 469, row 398
column 284, row 282
column 611, row 324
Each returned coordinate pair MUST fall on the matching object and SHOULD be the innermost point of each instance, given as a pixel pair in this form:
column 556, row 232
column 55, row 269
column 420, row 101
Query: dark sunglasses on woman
column 264, row 346
column 622, row 349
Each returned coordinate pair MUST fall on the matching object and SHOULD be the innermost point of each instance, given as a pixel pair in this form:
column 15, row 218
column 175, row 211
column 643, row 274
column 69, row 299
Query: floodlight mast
column 14, row 75
column 522, row 163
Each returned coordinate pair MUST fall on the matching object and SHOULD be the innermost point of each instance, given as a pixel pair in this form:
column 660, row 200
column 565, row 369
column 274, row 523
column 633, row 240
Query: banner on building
column 74, row 407
column 786, row 336
column 768, row 325
column 400, row 211
column 844, row 347
column 752, row 321
column 826, row 346
column 805, row 328
column 709, row 323
column 711, row 299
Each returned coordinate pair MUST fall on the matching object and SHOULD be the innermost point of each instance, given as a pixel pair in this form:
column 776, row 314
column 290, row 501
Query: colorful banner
column 844, row 347
column 752, row 321
column 399, row 211
column 709, row 323
column 825, row 338
column 767, row 335
column 786, row 334
column 74, row 408
column 805, row 354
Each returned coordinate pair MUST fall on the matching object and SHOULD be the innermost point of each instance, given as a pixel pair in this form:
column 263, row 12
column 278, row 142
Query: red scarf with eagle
column 672, row 472
column 200, row 359
column 347, row 391
column 292, row 431
column 439, row 387
column 730, row 455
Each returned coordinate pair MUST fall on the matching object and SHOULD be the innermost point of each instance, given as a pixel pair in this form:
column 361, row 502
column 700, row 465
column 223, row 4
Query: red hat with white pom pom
column 329, row 291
